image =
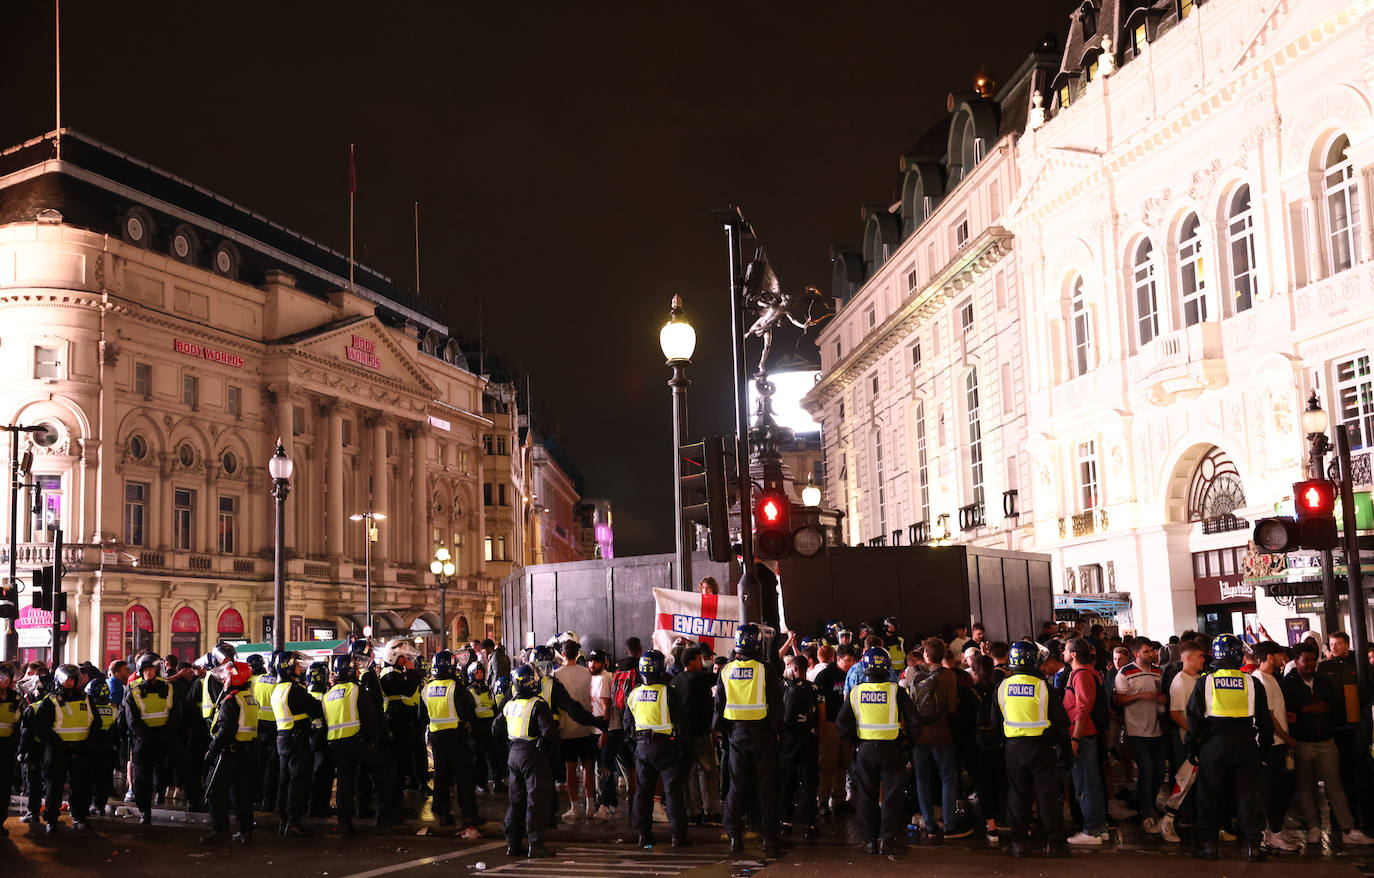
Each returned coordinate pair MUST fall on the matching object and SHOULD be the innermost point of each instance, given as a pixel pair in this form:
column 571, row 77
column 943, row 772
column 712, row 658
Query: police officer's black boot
column 1055, row 850
column 243, row 836
column 770, row 845
column 736, row 844
column 871, row 846
column 1206, row 850
column 893, row 847
column 1255, row 854
column 812, row 832
column 681, row 841
column 537, row 850
column 515, row 849
column 646, row 840
column 1017, row 848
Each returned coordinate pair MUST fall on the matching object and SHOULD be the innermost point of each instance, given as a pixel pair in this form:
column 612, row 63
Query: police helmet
column 891, row 622
column 256, row 663
column 443, row 665
column 284, row 663
column 1024, row 655
column 148, row 660
column 652, row 665
column 361, row 648
column 342, row 668
column 748, row 639
column 223, row 652
column 1227, row 648
column 99, row 690
column 475, row 668
column 806, row 642
column 422, row 667
column 239, row 674
column 65, row 677
column 501, row 686
column 543, row 659
column 524, row 682
column 317, row 676
column 877, row 662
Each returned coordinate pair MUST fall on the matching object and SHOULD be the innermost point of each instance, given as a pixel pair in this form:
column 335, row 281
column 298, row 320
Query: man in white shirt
column 960, row 638
column 578, row 741
column 1271, row 658
column 1180, row 690
column 1137, row 693
column 602, row 692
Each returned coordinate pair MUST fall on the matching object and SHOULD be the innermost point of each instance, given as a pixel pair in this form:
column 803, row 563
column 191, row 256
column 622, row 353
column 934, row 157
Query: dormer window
column 1089, row 19
column 1063, row 96
column 1091, row 71
column 1185, row 8
column 1140, row 38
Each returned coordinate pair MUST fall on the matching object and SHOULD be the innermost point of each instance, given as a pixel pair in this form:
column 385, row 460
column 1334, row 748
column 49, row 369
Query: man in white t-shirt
column 602, row 693
column 1278, row 794
column 1136, row 691
column 960, row 638
column 1181, row 688
column 578, row 741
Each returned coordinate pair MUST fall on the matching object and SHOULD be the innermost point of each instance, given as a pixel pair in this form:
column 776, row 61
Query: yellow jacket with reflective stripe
column 518, row 712
column 411, row 700
column 262, row 693
column 1025, row 704
column 9, row 717
column 440, row 702
column 1230, row 693
column 286, row 720
column 546, row 693
column 875, row 711
column 341, row 711
column 248, row 716
column 746, row 692
column 155, row 709
column 486, row 708
column 207, row 704
column 108, row 713
column 71, row 719
column 649, row 706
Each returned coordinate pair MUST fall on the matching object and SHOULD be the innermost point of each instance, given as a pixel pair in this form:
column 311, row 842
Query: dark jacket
column 1313, row 705
column 695, row 688
column 801, row 711
column 226, row 726
column 772, row 696
column 1345, row 681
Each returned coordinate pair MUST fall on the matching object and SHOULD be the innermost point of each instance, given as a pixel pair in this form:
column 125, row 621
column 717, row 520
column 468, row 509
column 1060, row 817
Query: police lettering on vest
column 1230, row 693
column 745, row 692
column 1024, row 701
column 439, row 703
column 248, row 717
column 341, row 711
column 649, row 707
column 518, row 712
column 875, row 711
column 107, row 716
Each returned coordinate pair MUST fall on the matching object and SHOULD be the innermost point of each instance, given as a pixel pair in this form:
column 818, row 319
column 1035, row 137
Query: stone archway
column 1204, row 484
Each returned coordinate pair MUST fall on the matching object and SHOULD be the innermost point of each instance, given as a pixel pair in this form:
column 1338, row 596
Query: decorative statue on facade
column 765, row 296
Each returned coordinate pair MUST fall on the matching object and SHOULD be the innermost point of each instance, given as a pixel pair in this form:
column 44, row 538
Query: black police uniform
column 530, row 782
column 1033, row 774
column 152, row 745
column 1230, row 763
column 234, row 768
column 801, row 751
column 371, row 777
column 400, row 690
column 879, row 768
column 752, row 747
column 63, row 760
column 452, row 753
column 100, row 751
column 293, row 754
column 321, row 762
column 11, row 713
column 659, row 756
column 357, row 755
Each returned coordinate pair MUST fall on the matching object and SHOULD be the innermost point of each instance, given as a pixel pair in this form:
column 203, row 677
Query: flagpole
column 417, row 248
column 352, row 191
column 57, row 17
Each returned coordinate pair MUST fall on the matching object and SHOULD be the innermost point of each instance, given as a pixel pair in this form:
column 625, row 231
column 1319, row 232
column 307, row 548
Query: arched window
column 1082, row 328
column 1089, row 20
column 1342, row 205
column 1192, row 282
column 1146, row 293
column 975, row 436
column 1240, row 243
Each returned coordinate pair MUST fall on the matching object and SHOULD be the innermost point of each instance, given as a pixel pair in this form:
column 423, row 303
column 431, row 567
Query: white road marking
column 428, row 861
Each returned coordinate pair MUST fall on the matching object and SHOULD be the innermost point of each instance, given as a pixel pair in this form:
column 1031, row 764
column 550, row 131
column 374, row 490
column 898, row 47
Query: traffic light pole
column 9, row 645
column 58, row 599
column 1358, row 611
column 1331, row 601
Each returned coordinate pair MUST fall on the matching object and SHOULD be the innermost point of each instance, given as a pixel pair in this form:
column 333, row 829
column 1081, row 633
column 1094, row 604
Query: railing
column 41, row 555
column 971, row 516
column 405, row 577
column 152, row 559
column 918, row 533
column 244, row 565
column 360, row 573
column 199, row 562
column 317, row 571
column 1084, row 523
column 896, row 538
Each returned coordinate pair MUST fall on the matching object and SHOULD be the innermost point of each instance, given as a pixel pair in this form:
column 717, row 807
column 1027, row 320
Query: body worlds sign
column 191, row 349
column 363, row 351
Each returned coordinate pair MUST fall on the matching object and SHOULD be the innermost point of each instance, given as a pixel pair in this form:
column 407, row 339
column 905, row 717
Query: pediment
column 362, row 347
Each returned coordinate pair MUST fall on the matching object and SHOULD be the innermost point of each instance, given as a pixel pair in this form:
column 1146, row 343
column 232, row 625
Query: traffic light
column 772, row 526
column 43, row 588
column 9, row 602
column 705, row 493
column 1315, row 502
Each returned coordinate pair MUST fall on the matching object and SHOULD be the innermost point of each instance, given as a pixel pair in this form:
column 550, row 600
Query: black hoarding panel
column 1021, row 621
column 1041, row 590
column 933, row 592
column 544, row 597
column 988, row 569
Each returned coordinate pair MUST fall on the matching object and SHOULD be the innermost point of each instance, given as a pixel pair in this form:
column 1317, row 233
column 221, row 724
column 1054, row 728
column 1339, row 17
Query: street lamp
column 811, row 494
column 1314, row 424
column 678, row 340
column 368, row 539
column 279, row 467
column 442, row 567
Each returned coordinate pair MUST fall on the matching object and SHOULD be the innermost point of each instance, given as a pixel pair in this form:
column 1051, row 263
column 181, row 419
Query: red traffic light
column 770, row 511
column 772, row 525
column 1314, row 497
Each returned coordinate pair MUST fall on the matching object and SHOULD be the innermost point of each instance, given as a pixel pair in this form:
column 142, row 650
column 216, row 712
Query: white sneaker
column 1120, row 811
column 1166, row 830
column 1150, row 825
column 1084, row 839
column 1276, row 841
column 1354, row 836
column 1314, row 835
column 1223, row 835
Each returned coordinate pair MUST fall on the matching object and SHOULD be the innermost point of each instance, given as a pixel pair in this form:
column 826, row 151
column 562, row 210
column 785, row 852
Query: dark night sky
column 565, row 157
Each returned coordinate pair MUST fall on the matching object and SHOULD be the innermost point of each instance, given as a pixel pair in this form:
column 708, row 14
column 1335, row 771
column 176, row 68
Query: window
column 872, row 317
column 927, row 205
column 45, row 362
column 490, row 543
column 143, row 380
column 1342, row 205
column 841, row 410
column 1240, row 240
column 501, row 445
column 186, row 455
column 45, row 515
column 961, row 233
column 1063, row 96
column 190, row 391
column 1146, row 298
column 390, row 444
column 135, row 512
column 486, row 493
column 1090, row 579
column 975, row 436
column 1191, row 274
column 1082, row 328
column 297, row 420
column 183, row 519
column 1355, row 395
column 458, row 553
column 1185, row 9
column 875, row 388
column 916, row 355
column 1087, row 475
column 1140, row 38
column 501, row 549
column 486, row 443
column 501, row 495
column 138, row 447
column 966, row 318
column 878, row 483
column 911, row 281
column 1089, row 20
column 229, row 463
column 234, row 401
column 348, row 432
column 922, row 463
column 228, row 511
column 1090, row 73
column 838, row 352
column 980, row 149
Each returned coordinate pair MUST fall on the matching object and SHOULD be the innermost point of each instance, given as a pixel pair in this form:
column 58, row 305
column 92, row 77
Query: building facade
column 169, row 339
column 555, row 528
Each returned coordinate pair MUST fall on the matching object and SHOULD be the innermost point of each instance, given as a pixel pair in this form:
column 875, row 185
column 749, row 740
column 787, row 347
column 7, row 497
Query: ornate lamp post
column 678, row 340
column 368, row 539
column 811, row 494
column 442, row 567
column 280, row 467
column 1314, row 424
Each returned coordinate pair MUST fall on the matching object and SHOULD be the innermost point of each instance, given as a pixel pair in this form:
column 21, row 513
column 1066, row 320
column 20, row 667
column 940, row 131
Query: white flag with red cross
column 707, row 619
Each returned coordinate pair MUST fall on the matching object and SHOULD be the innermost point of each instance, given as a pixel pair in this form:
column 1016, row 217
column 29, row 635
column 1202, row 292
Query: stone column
column 336, row 519
column 380, row 486
column 419, row 468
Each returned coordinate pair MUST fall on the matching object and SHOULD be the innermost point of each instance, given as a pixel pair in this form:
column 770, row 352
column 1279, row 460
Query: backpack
column 621, row 685
column 926, row 696
column 988, row 734
column 1100, row 716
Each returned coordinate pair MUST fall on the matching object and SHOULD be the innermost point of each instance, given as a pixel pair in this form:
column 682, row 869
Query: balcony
column 971, row 516
column 1182, row 363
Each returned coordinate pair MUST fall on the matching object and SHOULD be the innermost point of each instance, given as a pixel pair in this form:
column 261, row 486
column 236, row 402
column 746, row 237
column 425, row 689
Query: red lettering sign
column 114, row 637
column 32, row 617
column 139, row 619
column 191, row 349
column 230, row 622
column 363, row 344
column 185, row 621
column 363, row 358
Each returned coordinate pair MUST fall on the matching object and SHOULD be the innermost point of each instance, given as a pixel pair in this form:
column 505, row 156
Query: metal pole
column 1358, row 610
column 748, row 585
column 1318, row 445
column 9, row 648
column 679, row 383
column 56, row 600
column 367, row 573
column 443, row 613
column 280, row 488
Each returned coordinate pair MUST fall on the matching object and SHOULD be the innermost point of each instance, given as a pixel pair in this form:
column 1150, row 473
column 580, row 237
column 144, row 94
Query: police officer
column 294, row 709
column 353, row 726
column 11, row 709
column 1034, row 723
column 801, row 710
column 485, row 769
column 1228, row 715
column 451, row 712
column 151, row 714
column 652, row 714
column 232, row 757
column 878, row 715
column 530, row 726
column 560, row 701
column 63, row 722
column 262, row 683
column 892, row 639
column 748, row 713
column 321, row 766
column 103, row 743
column 401, row 693
column 364, row 662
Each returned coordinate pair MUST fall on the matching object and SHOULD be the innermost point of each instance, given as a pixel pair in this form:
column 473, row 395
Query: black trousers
column 1278, row 789
column 235, row 779
column 351, row 754
column 1033, row 776
column 659, row 756
column 100, row 753
column 151, row 751
column 486, row 764
column 402, row 726
column 321, row 773
column 800, row 768
column 531, row 793
column 453, row 766
column 293, row 773
column 753, row 751
column 268, row 762
column 880, row 774
column 9, row 748
column 61, row 762
column 1229, row 767
column 33, row 777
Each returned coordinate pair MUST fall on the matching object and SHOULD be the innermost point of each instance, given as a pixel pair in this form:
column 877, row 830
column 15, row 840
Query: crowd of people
column 1197, row 740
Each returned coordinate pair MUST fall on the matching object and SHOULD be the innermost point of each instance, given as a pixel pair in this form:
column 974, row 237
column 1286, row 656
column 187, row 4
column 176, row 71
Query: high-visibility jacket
column 875, row 711
column 546, row 693
column 486, row 708
column 1230, row 693
column 207, row 704
column 898, row 653
column 9, row 717
column 440, row 702
column 263, row 685
column 248, row 716
column 155, row 709
column 108, row 713
column 518, row 712
column 341, row 711
column 649, row 706
column 746, row 693
column 286, row 720
column 1025, row 703
column 71, row 719
column 411, row 700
